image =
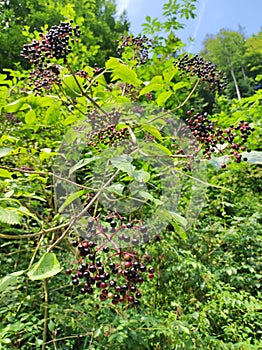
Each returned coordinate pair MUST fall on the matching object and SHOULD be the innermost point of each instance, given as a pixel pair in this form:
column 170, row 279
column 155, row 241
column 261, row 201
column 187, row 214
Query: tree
column 227, row 50
column 253, row 56
column 19, row 19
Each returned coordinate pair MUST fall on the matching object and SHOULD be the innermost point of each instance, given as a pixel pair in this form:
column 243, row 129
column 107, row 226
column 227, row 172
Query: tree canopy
column 20, row 19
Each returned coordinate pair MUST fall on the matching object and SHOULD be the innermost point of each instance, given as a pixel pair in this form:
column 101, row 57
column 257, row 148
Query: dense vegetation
column 129, row 209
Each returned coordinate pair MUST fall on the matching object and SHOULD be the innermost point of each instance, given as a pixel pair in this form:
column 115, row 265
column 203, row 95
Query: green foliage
column 21, row 20
column 206, row 293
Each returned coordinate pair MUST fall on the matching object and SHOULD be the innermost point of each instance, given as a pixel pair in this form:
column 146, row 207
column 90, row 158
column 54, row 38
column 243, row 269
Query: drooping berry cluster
column 108, row 136
column 204, row 70
column 213, row 139
column 104, row 128
column 107, row 270
column 42, row 79
column 140, row 46
column 54, row 44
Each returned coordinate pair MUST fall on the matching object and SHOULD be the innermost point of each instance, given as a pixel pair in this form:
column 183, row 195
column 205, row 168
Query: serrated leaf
column 71, row 198
column 9, row 216
column 163, row 97
column 153, row 131
column 9, row 280
column 141, row 176
column 46, row 267
column 81, row 164
column 123, row 162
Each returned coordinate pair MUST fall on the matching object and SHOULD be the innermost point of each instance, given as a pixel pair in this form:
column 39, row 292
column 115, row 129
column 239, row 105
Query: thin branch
column 84, row 93
column 71, row 223
column 46, row 299
column 178, row 107
column 69, row 337
column 30, row 235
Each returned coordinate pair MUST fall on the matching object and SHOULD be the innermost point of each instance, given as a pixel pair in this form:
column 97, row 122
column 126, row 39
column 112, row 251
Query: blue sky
column 212, row 15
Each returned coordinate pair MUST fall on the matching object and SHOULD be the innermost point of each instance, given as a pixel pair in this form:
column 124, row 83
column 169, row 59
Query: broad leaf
column 141, row 176
column 10, row 216
column 9, row 280
column 151, row 87
column 116, row 188
column 123, row 162
column 5, row 173
column 153, row 131
column 163, row 97
column 46, row 267
column 4, row 151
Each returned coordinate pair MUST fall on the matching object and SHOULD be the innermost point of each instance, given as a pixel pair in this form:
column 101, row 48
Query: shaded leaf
column 123, row 162
column 81, row 164
column 141, row 176
column 46, row 267
column 9, row 280
column 9, row 216
column 71, row 198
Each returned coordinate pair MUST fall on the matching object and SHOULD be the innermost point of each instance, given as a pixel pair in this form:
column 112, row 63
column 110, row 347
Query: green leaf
column 116, row 188
column 46, row 267
column 16, row 106
column 81, row 164
column 123, row 162
column 9, row 216
column 151, row 87
column 9, row 280
column 4, row 151
column 163, row 97
column 148, row 196
column 180, row 85
column 169, row 74
column 141, row 176
column 30, row 117
column 148, row 19
column 5, row 173
column 71, row 198
column 71, row 87
column 153, row 131
column 122, row 72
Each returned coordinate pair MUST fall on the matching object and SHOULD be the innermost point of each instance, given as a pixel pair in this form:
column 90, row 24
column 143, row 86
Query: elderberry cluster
column 54, row 44
column 42, row 79
column 205, row 71
column 140, row 46
column 107, row 270
column 214, row 139
column 108, row 136
column 104, row 130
